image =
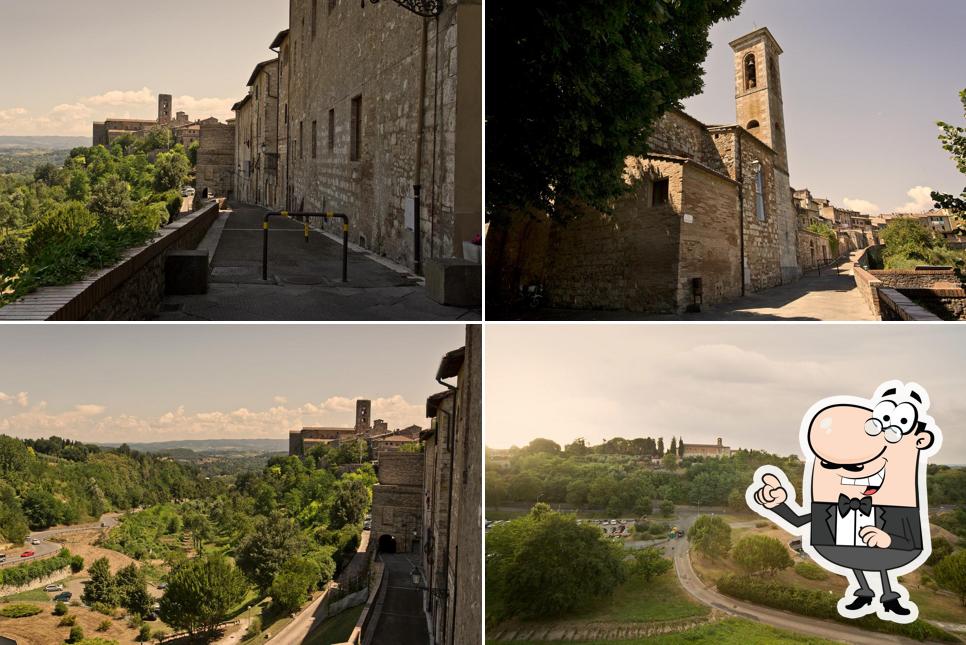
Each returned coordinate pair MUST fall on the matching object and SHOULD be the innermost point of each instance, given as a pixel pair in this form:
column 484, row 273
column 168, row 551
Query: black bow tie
column 849, row 504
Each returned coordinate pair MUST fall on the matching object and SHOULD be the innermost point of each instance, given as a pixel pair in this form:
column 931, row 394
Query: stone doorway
column 387, row 544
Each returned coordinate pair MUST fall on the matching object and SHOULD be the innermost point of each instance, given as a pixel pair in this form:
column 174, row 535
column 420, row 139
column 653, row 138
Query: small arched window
column 752, row 125
column 751, row 76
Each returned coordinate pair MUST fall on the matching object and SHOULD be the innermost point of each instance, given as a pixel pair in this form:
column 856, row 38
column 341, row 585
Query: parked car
column 151, row 616
column 187, row 191
column 35, row 541
column 63, row 596
column 368, row 525
column 3, row 557
column 162, row 585
column 26, row 554
column 53, row 588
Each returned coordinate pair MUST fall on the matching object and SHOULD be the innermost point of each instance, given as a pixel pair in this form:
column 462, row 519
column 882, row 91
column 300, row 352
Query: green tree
column 293, row 583
column 132, row 590
column 351, row 502
column 262, row 553
column 669, row 460
column 78, row 186
column 201, row 592
column 667, row 508
column 761, row 554
column 111, row 199
column 581, row 85
column 681, row 447
column 711, row 536
column 940, row 549
column 41, row 508
column 951, row 574
column 76, row 634
column 200, row 528
column 171, row 170
column 144, row 633
column 953, row 139
column 649, row 564
column 102, row 587
column 826, row 231
column 546, row 564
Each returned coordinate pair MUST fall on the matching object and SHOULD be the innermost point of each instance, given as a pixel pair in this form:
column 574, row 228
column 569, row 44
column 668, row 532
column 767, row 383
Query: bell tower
column 758, row 90
column 164, row 109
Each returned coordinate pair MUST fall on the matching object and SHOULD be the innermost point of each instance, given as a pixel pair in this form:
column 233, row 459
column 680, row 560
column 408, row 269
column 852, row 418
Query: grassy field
column 932, row 605
column 638, row 602
column 34, row 595
column 733, row 631
column 335, row 629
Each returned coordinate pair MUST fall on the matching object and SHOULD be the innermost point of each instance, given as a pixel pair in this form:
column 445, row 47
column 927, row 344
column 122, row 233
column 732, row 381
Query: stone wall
column 243, row 185
column 676, row 133
column 868, row 286
column 397, row 512
column 813, row 250
column 132, row 289
column 371, row 57
column 917, row 278
column 403, row 468
column 216, row 159
column 60, row 574
column 945, row 303
column 709, row 238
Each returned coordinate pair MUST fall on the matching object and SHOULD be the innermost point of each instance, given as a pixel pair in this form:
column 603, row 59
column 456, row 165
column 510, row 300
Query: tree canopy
column 953, row 139
column 546, row 564
column 577, row 87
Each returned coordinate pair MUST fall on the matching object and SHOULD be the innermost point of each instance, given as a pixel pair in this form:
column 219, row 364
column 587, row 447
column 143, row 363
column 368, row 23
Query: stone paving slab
column 305, row 280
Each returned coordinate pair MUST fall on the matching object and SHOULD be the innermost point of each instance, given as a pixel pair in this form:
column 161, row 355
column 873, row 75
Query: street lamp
column 417, row 578
column 424, row 8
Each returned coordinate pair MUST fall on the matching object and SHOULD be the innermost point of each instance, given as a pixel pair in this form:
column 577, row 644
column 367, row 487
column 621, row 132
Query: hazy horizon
column 748, row 384
column 74, row 63
column 151, row 383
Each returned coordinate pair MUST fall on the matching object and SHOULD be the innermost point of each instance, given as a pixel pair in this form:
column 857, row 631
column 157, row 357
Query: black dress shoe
column 859, row 603
column 894, row 606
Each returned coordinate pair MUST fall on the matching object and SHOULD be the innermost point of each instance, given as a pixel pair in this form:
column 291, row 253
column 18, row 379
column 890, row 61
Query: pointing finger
column 771, row 481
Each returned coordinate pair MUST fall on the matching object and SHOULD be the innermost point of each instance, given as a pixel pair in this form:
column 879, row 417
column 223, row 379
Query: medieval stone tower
column 758, row 90
column 164, row 108
column 363, row 415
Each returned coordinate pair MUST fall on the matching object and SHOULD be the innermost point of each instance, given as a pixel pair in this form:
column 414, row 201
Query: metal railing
column 305, row 224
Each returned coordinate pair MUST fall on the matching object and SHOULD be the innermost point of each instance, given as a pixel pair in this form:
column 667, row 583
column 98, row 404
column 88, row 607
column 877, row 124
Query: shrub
column 104, row 625
column 76, row 563
column 103, row 608
column 60, row 609
column 172, row 202
column 254, row 628
column 76, row 634
column 67, row 621
column 144, row 633
column 819, row 604
column 761, row 554
column 60, row 230
column 810, row 571
column 23, row 574
column 19, row 610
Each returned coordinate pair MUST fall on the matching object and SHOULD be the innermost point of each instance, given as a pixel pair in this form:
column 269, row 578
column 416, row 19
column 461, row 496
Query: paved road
column 46, row 548
column 297, row 630
column 680, row 551
column 399, row 616
column 832, row 295
column 305, row 280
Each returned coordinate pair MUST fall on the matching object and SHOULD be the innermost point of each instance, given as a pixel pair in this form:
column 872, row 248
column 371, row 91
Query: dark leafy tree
column 950, row 573
column 711, row 536
column 201, row 592
column 649, row 563
column 351, row 502
column 580, row 85
column 953, row 139
column 758, row 554
column 261, row 554
column 546, row 564
column 102, row 587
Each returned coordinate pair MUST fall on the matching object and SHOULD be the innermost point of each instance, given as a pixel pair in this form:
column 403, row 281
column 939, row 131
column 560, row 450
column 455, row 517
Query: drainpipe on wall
column 278, row 107
column 417, row 182
column 741, row 209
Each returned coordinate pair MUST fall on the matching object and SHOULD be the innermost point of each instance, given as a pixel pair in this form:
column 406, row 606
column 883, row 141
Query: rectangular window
column 301, row 137
column 315, row 139
column 760, row 196
column 659, row 192
column 356, row 129
column 331, row 129
column 315, row 15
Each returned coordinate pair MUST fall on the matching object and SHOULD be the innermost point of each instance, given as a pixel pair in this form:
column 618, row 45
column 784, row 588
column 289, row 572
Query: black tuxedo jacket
column 900, row 522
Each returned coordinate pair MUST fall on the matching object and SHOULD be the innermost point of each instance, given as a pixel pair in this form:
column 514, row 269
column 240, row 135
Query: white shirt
column 847, row 528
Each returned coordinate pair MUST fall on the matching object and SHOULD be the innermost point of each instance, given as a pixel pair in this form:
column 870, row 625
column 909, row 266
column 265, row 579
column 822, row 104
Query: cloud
column 22, row 399
column 89, row 409
column 280, row 399
column 75, row 118
column 88, row 422
column 920, row 200
column 862, row 206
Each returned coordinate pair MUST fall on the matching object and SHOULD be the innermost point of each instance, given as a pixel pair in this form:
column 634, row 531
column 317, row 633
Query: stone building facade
column 373, row 100
column 709, row 214
column 256, row 126
column 397, row 503
column 302, row 441
column 216, row 158
column 452, row 499
column 717, row 449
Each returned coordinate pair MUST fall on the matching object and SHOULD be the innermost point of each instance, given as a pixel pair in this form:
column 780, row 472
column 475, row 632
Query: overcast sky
column 748, row 384
column 138, row 383
column 66, row 63
column 864, row 83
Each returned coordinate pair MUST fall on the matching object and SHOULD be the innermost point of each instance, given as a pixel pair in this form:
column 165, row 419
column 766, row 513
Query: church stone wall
column 216, row 159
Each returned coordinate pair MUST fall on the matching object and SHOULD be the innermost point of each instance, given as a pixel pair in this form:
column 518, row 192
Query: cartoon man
column 864, row 508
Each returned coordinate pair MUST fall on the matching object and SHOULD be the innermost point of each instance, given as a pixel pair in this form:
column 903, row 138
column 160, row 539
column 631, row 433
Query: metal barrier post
column 305, row 230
